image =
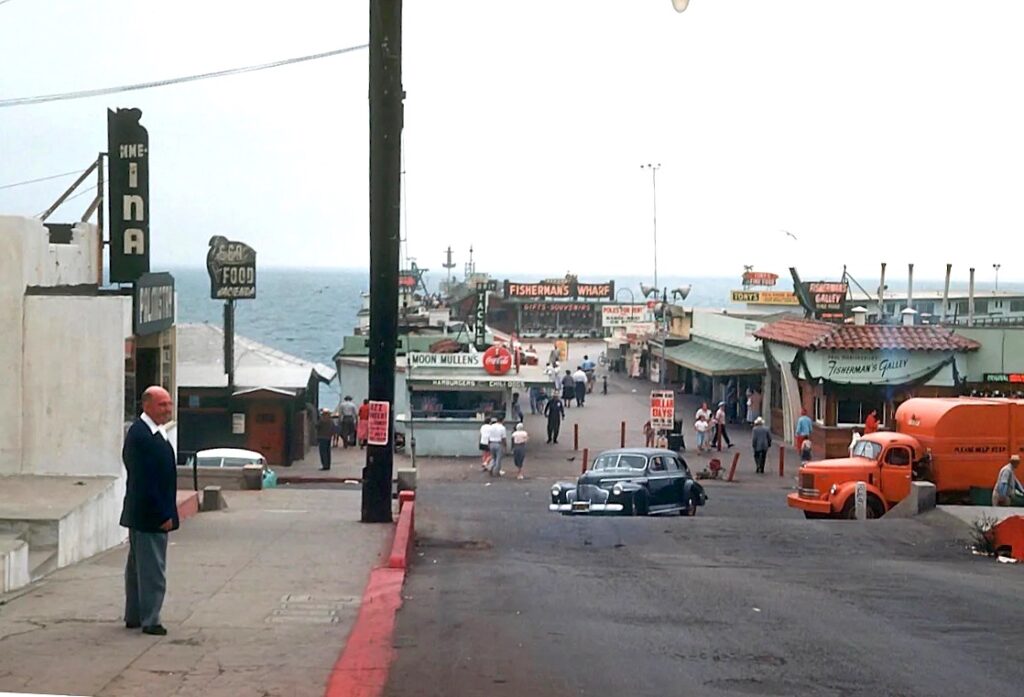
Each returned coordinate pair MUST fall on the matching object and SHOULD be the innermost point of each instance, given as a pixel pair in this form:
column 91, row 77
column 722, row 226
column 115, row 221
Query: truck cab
column 884, row 461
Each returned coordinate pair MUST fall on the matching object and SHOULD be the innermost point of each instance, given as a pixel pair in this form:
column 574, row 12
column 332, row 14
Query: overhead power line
column 41, row 179
column 24, row 101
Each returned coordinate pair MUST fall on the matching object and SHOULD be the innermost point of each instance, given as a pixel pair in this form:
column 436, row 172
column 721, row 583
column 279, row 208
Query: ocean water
column 306, row 312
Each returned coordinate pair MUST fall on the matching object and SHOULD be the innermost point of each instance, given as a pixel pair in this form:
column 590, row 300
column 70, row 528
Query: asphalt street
column 748, row 598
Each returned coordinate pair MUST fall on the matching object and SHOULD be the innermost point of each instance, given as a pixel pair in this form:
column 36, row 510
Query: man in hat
column 1007, row 487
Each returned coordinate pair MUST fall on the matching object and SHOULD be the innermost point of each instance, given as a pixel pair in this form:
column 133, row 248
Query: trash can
column 675, row 442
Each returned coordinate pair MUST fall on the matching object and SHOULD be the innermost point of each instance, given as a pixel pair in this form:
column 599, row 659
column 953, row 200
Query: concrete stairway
column 28, row 551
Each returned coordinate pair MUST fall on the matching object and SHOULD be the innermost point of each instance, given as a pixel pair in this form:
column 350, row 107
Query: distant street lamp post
column 654, row 190
column 996, row 267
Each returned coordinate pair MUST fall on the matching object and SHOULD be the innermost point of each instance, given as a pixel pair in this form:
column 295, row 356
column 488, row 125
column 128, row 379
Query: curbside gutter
column 363, row 666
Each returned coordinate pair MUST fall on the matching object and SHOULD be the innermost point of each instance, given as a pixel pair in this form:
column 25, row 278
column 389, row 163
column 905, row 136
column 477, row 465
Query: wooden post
column 586, row 456
column 732, row 467
column 575, row 437
column 622, row 435
column 782, row 460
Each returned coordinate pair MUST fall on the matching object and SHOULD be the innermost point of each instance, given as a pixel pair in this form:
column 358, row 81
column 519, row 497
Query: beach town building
column 271, row 406
column 75, row 357
column 839, row 373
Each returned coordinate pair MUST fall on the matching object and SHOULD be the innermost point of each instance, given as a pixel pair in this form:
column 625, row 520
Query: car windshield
column 617, row 462
column 208, row 462
column 865, row 448
column 238, row 461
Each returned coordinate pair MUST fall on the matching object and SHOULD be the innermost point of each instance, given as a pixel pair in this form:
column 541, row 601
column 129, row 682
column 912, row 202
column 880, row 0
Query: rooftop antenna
column 449, row 265
column 470, row 267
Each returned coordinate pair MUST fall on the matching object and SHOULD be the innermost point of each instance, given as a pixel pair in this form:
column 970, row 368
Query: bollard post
column 732, row 467
column 622, row 435
column 860, row 501
column 586, row 455
column 575, row 437
column 782, row 460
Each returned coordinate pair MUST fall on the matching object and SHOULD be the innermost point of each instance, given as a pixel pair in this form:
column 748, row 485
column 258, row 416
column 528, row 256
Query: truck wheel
column 874, row 507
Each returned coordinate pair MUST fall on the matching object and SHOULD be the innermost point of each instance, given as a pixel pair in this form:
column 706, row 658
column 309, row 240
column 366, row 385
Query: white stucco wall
column 73, row 388
column 726, row 329
column 13, row 233
column 92, row 527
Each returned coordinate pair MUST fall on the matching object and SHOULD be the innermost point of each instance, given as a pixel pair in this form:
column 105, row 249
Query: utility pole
column 386, row 97
column 654, row 190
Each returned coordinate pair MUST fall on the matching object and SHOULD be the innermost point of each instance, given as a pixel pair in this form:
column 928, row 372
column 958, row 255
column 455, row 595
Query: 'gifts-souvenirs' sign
column 663, row 409
column 232, row 269
column 128, row 202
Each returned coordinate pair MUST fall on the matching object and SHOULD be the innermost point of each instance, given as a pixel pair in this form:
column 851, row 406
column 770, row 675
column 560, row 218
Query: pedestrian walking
column 1007, row 487
column 519, row 440
column 568, row 389
column 363, row 423
column 854, row 437
column 760, row 441
column 150, row 511
column 806, row 451
column 534, row 400
column 756, row 400
column 703, row 411
column 324, row 429
column 804, row 427
column 517, row 409
column 579, row 379
column 588, row 366
column 648, row 434
column 701, row 427
column 349, row 415
column 555, row 413
column 335, row 429
column 721, row 431
column 555, row 356
column 485, row 444
column 496, row 437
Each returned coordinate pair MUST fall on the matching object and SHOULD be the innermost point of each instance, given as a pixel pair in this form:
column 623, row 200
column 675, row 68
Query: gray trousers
column 144, row 579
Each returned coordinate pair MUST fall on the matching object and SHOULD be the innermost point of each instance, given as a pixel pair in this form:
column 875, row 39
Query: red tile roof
column 821, row 336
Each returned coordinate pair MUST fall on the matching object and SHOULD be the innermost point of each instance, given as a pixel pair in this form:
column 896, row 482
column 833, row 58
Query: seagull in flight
column 790, row 234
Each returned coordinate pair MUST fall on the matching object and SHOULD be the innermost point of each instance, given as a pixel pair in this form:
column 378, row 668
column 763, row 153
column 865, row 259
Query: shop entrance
column 147, row 371
column 266, row 431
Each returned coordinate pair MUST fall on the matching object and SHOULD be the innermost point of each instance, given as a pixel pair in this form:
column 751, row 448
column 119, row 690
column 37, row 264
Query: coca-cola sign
column 497, row 360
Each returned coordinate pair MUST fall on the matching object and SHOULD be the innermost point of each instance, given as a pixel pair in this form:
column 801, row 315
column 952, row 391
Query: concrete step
column 37, row 532
column 14, row 571
column 41, row 560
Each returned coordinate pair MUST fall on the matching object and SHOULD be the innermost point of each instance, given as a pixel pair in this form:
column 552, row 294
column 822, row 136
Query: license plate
column 581, row 505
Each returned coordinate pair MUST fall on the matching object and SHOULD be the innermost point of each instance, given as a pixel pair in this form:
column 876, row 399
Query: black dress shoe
column 132, row 625
column 155, row 630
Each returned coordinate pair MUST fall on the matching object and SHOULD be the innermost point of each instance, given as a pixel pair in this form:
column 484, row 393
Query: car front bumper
column 582, row 507
column 795, row 500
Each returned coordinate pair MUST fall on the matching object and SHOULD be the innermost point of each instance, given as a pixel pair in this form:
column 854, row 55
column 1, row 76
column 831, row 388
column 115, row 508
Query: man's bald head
column 157, row 404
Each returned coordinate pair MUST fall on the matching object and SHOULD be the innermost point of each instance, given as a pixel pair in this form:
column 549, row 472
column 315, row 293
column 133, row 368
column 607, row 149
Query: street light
column 680, row 5
column 654, row 189
column 996, row 267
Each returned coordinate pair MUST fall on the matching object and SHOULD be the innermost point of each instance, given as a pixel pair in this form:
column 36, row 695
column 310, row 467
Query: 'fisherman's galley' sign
column 873, row 367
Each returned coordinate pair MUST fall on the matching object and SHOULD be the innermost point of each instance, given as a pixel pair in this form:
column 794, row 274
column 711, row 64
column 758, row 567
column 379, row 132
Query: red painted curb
column 402, row 544
column 362, row 668
column 299, row 479
column 188, row 504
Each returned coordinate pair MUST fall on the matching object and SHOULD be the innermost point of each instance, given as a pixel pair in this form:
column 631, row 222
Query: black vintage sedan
column 631, row 481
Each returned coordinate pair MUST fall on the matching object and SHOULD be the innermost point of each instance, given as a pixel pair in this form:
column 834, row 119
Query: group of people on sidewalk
column 348, row 427
column 712, row 428
column 494, row 438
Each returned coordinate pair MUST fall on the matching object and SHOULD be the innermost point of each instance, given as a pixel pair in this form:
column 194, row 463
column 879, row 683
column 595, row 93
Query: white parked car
column 229, row 457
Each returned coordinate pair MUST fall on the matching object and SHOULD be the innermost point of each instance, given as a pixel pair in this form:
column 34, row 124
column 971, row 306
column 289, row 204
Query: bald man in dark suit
column 150, row 511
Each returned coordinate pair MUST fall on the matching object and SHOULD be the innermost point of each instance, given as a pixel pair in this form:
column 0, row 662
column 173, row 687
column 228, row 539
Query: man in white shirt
column 703, row 411
column 496, row 437
column 580, row 378
column 485, row 444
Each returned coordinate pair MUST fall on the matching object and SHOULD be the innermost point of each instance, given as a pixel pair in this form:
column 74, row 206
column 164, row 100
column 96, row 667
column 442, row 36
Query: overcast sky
column 872, row 131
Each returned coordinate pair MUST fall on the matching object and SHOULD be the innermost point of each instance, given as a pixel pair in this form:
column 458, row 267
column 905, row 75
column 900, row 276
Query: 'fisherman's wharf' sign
column 232, row 269
column 128, row 202
column 560, row 289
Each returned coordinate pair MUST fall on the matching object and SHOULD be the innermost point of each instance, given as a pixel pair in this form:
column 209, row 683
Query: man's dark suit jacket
column 151, row 494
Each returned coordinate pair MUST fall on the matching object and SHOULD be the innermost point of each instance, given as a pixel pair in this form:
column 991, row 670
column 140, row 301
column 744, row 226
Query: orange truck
column 956, row 443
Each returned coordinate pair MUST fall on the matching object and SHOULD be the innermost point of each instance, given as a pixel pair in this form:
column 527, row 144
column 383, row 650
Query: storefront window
column 442, row 404
column 854, row 411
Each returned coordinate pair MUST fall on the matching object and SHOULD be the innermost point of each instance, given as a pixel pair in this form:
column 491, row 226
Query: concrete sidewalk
column 260, row 601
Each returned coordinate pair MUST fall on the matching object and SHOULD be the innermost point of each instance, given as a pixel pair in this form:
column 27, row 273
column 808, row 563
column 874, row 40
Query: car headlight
column 617, row 490
column 556, row 490
column 833, row 490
